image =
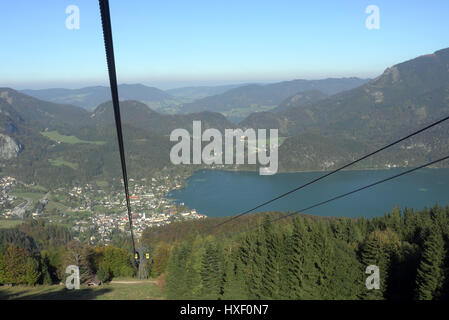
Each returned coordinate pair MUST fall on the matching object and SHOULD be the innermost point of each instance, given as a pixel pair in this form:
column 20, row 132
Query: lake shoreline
column 305, row 171
column 207, row 193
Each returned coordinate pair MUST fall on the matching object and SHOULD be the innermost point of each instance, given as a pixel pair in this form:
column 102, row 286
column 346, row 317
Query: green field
column 120, row 290
column 38, row 188
column 31, row 195
column 31, row 188
column 56, row 136
column 101, row 183
column 243, row 112
column 55, row 206
column 60, row 162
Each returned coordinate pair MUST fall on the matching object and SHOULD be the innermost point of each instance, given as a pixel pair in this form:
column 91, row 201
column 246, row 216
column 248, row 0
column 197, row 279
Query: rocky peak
column 9, row 148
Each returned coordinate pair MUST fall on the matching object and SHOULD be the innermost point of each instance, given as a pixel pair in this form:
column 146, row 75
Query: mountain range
column 404, row 98
column 90, row 97
column 234, row 101
column 198, row 92
column 239, row 102
column 323, row 125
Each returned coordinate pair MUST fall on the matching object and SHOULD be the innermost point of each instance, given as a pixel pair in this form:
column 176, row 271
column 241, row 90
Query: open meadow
column 115, row 290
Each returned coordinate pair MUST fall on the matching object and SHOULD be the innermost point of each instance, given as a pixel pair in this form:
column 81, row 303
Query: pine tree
column 2, row 269
column 378, row 249
column 299, row 252
column 338, row 229
column 45, row 270
column 104, row 274
column 322, row 260
column 177, row 278
column 251, row 254
column 160, row 258
column 196, row 249
column 210, row 272
column 430, row 276
column 346, row 273
column 32, row 273
column 270, row 279
column 286, row 250
column 20, row 267
column 313, row 268
column 394, row 219
column 410, row 225
column 234, row 287
column 174, row 268
column 404, row 265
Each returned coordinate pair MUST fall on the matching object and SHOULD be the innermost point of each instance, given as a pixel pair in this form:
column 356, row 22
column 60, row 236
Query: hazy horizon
column 165, row 85
column 179, row 44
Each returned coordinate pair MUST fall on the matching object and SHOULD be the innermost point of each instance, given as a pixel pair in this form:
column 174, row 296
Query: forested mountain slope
column 406, row 97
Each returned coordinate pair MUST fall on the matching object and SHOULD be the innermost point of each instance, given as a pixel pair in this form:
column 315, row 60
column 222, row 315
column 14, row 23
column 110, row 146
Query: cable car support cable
column 107, row 34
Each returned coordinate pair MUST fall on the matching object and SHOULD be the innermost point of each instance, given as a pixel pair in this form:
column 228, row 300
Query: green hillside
column 90, row 97
column 406, row 97
column 247, row 98
column 57, row 137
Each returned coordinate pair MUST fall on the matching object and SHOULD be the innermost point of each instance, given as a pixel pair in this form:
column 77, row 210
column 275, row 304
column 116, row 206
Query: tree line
column 306, row 257
column 36, row 253
column 317, row 258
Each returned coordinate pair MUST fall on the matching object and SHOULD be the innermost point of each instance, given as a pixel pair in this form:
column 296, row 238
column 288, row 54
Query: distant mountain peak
column 90, row 97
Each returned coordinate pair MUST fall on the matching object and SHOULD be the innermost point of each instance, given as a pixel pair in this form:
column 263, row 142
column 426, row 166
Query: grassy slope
column 31, row 195
column 60, row 162
column 143, row 290
column 56, row 136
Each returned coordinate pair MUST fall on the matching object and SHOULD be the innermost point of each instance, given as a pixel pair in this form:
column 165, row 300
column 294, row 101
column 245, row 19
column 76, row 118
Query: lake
column 224, row 193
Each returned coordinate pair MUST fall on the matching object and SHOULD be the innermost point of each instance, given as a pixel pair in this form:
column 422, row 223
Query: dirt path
column 133, row 282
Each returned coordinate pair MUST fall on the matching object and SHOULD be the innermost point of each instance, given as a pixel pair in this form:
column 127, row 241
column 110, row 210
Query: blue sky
column 176, row 43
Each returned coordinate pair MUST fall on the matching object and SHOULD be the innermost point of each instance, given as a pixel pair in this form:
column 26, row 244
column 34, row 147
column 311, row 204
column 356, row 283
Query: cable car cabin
column 147, row 256
column 136, row 256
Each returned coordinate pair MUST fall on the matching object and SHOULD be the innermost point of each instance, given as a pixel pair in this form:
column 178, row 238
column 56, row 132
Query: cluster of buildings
column 104, row 225
column 98, row 211
column 108, row 213
column 6, row 199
